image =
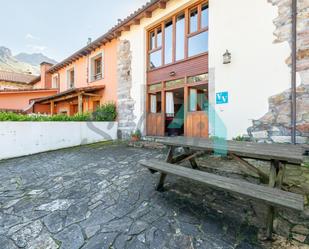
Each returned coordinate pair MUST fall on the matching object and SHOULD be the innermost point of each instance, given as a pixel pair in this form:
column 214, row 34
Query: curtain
column 170, row 103
column 153, row 103
column 193, row 100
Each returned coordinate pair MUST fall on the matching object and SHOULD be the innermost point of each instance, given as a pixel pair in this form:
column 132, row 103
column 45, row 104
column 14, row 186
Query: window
column 155, row 48
column 168, row 48
column 55, row 83
column 198, row 35
column 204, row 16
column 155, row 103
column 96, row 67
column 198, row 44
column 71, row 78
column 198, row 78
column 193, row 20
column 155, row 87
column 179, row 37
column 174, row 83
column 198, row 99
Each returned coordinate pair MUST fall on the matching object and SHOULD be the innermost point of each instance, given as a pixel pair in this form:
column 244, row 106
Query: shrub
column 242, row 138
column 106, row 112
column 9, row 116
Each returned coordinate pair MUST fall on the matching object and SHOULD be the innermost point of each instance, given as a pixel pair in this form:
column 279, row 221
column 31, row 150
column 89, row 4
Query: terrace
column 97, row 196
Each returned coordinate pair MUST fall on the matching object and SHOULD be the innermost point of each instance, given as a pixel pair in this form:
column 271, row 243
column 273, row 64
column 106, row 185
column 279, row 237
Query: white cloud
column 31, row 37
column 37, row 48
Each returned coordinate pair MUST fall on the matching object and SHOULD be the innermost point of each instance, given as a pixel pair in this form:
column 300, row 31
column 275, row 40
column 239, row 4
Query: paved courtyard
column 97, row 196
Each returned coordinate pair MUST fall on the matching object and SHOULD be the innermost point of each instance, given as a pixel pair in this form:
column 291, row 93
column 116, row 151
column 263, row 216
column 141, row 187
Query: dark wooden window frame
column 188, row 35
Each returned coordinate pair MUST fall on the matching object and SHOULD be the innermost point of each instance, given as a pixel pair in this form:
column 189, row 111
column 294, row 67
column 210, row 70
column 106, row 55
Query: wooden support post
column 52, row 107
column 276, row 175
column 250, row 167
column 191, row 160
column 168, row 159
column 80, row 103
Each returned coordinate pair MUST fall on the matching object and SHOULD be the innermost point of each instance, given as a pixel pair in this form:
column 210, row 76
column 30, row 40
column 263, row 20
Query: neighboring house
column 17, row 91
column 193, row 68
column 11, row 80
column 85, row 80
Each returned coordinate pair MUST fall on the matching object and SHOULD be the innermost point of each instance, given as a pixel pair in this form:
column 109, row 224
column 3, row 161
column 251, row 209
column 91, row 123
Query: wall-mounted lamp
column 172, row 74
column 227, row 57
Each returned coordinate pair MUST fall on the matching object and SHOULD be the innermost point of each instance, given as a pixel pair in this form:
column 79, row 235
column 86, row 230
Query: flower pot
column 134, row 138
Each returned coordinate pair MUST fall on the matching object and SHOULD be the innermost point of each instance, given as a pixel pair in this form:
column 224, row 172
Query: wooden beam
column 52, row 107
column 136, row 21
column 251, row 168
column 61, row 98
column 117, row 33
column 148, row 14
column 92, row 95
column 126, row 28
column 162, row 5
column 80, row 103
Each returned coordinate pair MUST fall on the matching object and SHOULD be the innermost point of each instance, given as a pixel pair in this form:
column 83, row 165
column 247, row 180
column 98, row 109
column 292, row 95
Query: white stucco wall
column 25, row 138
column 258, row 69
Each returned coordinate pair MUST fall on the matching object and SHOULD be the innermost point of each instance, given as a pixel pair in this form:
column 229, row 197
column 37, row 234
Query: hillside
column 23, row 62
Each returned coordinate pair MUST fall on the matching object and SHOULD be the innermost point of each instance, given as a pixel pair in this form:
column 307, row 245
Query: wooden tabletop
column 283, row 152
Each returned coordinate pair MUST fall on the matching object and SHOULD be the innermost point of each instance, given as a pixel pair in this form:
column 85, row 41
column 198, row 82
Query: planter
column 135, row 138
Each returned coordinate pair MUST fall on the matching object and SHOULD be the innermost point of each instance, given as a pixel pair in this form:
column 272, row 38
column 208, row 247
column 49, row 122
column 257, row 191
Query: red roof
column 114, row 32
column 16, row 77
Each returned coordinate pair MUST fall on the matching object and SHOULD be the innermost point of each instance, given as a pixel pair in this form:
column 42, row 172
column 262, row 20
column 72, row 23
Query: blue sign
column 222, row 98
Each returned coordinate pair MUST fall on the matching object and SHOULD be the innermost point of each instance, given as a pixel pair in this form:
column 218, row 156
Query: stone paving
column 97, row 196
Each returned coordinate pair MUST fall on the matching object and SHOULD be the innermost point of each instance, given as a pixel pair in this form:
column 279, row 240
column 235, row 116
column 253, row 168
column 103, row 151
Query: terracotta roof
column 35, row 80
column 11, row 110
column 70, row 91
column 124, row 25
column 26, row 90
column 16, row 77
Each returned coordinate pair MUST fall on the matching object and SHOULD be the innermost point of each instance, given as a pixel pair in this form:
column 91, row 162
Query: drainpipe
column 293, row 76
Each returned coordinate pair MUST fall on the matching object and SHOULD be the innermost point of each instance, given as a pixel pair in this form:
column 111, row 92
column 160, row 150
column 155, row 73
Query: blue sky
column 58, row 28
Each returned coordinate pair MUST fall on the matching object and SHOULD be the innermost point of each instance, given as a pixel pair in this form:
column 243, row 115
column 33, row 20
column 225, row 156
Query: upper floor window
column 96, row 67
column 181, row 36
column 198, row 32
column 71, row 78
column 55, row 81
column 155, row 48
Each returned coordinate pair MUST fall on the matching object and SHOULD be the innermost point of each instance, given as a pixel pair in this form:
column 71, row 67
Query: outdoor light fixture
column 172, row 73
column 227, row 57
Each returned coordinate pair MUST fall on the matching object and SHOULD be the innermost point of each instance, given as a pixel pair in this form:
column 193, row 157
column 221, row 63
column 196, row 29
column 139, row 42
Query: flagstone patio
column 99, row 197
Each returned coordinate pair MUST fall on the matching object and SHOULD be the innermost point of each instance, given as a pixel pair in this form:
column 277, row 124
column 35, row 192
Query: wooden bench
column 278, row 155
column 272, row 196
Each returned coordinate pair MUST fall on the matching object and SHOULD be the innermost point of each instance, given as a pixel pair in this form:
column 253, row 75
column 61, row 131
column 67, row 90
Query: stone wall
column 125, row 101
column 275, row 125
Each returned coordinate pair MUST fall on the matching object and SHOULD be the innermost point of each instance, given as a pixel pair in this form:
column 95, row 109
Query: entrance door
column 155, row 115
column 174, row 112
column 197, row 112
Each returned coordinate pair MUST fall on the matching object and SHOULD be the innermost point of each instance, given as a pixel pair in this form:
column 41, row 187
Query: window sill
column 93, row 81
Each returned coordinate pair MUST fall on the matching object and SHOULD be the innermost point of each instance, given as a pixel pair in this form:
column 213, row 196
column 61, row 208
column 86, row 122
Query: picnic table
column 272, row 194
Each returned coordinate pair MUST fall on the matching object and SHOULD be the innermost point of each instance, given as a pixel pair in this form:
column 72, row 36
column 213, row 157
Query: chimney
column 46, row 77
column 89, row 41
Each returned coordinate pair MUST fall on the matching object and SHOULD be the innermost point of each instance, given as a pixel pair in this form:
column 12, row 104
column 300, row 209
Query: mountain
column 23, row 62
column 34, row 59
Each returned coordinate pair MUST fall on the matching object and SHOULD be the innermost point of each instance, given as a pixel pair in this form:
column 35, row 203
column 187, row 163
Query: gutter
column 293, row 72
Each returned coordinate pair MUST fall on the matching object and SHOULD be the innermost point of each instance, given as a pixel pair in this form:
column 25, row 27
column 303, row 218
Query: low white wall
column 25, row 138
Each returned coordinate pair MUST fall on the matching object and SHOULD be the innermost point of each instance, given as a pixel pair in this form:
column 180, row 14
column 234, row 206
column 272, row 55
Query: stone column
column 126, row 103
